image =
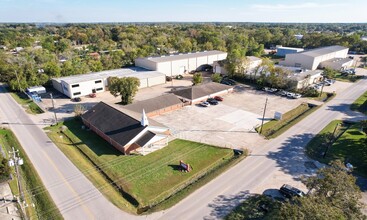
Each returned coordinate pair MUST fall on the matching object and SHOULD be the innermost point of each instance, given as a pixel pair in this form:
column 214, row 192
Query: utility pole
column 322, row 87
column 16, row 74
column 331, row 140
column 17, row 161
column 262, row 121
column 53, row 107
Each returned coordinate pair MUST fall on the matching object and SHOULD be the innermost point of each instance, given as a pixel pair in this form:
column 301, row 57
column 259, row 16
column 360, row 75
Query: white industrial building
column 250, row 67
column 85, row 84
column 175, row 64
column 312, row 59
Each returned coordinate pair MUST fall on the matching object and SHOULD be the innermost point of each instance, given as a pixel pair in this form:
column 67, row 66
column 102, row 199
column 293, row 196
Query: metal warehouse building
column 85, row 84
column 312, row 59
column 282, row 51
column 176, row 64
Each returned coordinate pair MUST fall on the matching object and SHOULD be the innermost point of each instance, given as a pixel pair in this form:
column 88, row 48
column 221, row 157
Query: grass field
column 36, row 193
column 275, row 128
column 23, row 100
column 360, row 104
column 351, row 146
column 148, row 180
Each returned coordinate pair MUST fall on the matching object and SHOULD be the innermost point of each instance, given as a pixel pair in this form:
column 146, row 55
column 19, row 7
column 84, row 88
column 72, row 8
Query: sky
column 68, row 11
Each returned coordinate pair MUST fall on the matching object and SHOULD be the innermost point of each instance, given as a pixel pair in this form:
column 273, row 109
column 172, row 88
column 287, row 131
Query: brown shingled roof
column 202, row 90
column 154, row 104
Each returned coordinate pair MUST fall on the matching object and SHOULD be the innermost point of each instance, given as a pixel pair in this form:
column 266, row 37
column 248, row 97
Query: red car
column 218, row 98
column 92, row 95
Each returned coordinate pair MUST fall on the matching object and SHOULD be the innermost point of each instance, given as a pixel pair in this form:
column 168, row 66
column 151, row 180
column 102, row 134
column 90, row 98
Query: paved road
column 212, row 201
column 77, row 199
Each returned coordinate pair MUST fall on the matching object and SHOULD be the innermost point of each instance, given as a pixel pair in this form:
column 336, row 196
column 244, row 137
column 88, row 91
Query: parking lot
column 232, row 122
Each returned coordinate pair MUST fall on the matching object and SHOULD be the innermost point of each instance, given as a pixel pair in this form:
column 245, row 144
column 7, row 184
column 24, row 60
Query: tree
column 126, row 87
column 216, row 77
column 197, row 78
column 337, row 188
column 329, row 73
column 4, row 168
column 363, row 124
column 78, row 110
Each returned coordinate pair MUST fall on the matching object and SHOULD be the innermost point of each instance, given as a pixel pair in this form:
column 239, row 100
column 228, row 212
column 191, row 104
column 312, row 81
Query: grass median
column 360, row 104
column 274, row 128
column 26, row 102
column 348, row 144
column 138, row 183
column 35, row 192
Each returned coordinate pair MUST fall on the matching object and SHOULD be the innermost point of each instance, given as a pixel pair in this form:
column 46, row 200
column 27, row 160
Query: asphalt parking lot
column 232, row 122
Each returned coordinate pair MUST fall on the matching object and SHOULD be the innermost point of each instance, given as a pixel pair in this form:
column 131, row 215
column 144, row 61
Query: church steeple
column 144, row 119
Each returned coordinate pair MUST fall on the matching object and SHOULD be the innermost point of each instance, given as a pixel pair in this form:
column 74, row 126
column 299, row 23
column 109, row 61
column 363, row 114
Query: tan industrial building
column 175, row 64
column 312, row 59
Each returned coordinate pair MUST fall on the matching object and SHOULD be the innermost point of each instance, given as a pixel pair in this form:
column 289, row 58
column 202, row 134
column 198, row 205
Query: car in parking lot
column 77, row 99
column 282, row 93
column 218, row 98
column 92, row 95
column 296, row 96
column 290, row 191
column 204, row 104
column 290, row 94
column 212, row 101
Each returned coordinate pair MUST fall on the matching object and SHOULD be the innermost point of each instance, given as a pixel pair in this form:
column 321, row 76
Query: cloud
column 306, row 5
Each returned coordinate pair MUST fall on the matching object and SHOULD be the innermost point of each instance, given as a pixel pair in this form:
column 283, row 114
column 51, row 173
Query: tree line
column 64, row 50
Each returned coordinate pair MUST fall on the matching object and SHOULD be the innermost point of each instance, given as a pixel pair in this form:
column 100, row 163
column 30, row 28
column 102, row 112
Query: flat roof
column 290, row 48
column 137, row 72
column 323, row 51
column 339, row 61
column 181, row 56
column 303, row 75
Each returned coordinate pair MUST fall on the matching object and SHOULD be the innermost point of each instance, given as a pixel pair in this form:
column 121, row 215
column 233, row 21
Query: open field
column 274, row 127
column 144, row 181
column 35, row 192
column 350, row 146
column 360, row 104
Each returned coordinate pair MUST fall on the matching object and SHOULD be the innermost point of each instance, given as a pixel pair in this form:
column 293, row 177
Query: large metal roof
column 181, row 56
column 323, row 51
column 137, row 72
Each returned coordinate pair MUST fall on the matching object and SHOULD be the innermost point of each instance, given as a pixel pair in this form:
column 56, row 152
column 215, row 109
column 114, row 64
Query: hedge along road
column 207, row 202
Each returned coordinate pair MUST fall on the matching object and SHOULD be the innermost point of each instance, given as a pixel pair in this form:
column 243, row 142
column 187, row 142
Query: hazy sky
column 182, row 10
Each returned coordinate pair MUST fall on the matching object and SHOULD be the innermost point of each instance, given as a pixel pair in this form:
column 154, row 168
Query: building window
column 75, row 85
column 97, row 81
column 76, row 93
column 99, row 89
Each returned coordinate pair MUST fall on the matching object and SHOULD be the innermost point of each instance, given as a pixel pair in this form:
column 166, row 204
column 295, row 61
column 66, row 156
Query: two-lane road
column 79, row 199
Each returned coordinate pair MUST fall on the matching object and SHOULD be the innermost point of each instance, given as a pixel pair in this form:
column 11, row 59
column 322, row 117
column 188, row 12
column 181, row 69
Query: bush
column 310, row 92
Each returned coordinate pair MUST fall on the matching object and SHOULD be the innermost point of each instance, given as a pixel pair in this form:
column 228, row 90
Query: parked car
column 228, row 81
column 168, row 78
column 77, row 99
column 282, row 93
column 204, row 104
column 92, row 95
column 290, row 94
column 218, row 98
column 179, row 76
column 290, row 191
column 212, row 101
column 225, row 82
column 296, row 96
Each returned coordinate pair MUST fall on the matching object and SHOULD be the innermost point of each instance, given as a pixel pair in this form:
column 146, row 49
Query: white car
column 296, row 96
column 290, row 94
column 205, row 104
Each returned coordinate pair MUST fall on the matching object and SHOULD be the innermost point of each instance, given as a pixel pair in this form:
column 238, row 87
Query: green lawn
column 348, row 78
column 23, row 100
column 360, row 104
column 44, row 208
column 148, row 180
column 275, row 128
column 351, row 146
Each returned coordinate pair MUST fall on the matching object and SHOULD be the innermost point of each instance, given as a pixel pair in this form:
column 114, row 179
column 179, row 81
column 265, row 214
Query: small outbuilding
column 123, row 131
column 198, row 93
